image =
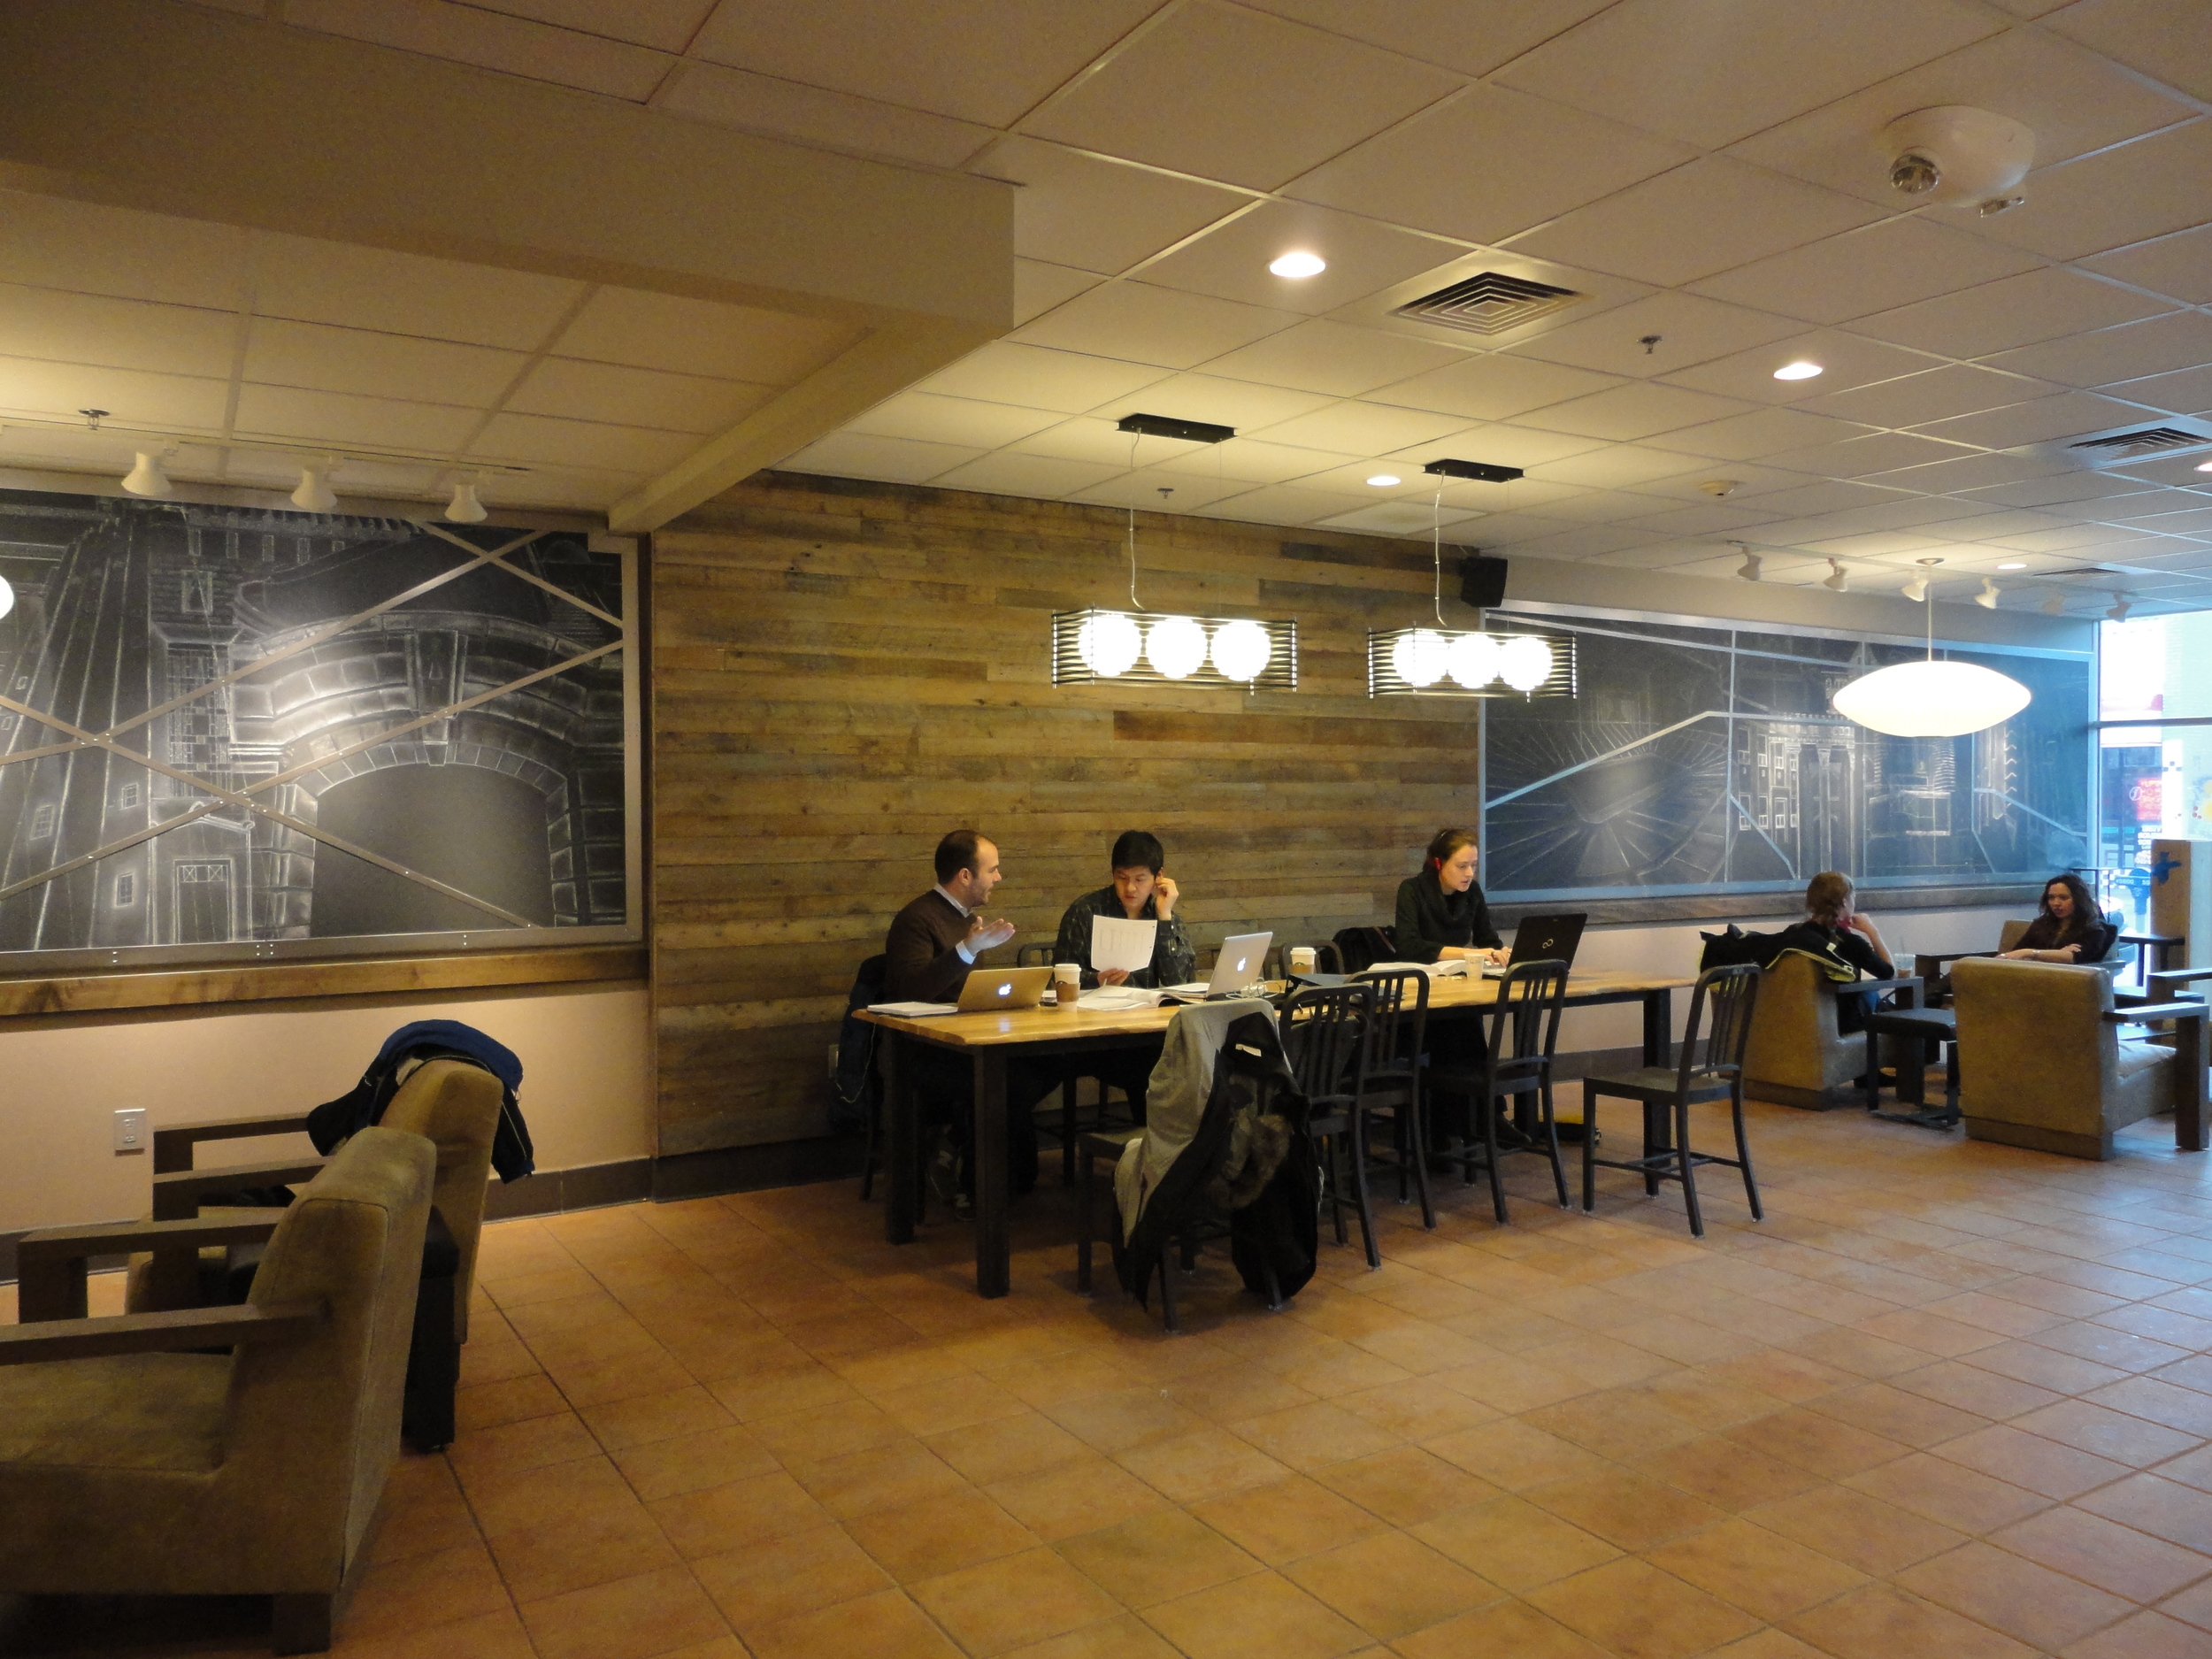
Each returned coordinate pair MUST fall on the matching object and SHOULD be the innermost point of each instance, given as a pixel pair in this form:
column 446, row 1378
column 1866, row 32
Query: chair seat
column 152, row 1412
column 1106, row 1143
column 1656, row 1082
column 2137, row 1055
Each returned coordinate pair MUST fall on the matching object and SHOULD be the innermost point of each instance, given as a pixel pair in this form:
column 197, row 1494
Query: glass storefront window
column 2154, row 760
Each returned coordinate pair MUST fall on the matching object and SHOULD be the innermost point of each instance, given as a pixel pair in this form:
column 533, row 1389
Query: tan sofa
column 130, row 1467
column 1795, row 1056
column 2040, row 1064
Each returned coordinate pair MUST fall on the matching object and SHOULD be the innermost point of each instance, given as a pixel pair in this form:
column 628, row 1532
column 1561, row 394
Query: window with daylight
column 2154, row 752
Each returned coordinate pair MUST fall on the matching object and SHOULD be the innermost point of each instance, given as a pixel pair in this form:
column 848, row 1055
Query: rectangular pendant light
column 1146, row 646
column 1450, row 663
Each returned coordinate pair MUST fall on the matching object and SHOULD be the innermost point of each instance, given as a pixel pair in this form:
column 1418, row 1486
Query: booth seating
column 131, row 1465
column 1796, row 1056
column 2047, row 1062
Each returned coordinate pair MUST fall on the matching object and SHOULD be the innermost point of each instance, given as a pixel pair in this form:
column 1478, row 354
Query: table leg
column 2189, row 1107
column 1659, row 1028
column 901, row 1196
column 992, row 1274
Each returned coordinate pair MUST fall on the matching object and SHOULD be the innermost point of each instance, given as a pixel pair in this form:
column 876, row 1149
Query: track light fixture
column 464, row 508
column 146, row 477
column 314, row 494
column 2054, row 606
column 1987, row 598
column 1749, row 569
column 2122, row 605
column 1916, row 590
column 1838, row 580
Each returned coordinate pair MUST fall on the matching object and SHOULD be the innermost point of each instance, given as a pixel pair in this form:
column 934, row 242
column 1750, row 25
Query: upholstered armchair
column 131, row 1464
column 1796, row 1056
column 2047, row 1062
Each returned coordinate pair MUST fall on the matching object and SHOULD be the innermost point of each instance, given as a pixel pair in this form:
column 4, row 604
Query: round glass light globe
column 1525, row 664
column 1177, row 646
column 1472, row 660
column 7, row 596
column 1419, row 657
column 1241, row 651
column 1109, row 643
column 1931, row 699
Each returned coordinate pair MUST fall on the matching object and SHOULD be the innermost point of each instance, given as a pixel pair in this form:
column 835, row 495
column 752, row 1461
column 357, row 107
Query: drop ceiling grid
column 1964, row 42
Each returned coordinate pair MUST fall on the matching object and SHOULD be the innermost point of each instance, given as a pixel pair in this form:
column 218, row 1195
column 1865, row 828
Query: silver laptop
column 1236, row 970
column 994, row 990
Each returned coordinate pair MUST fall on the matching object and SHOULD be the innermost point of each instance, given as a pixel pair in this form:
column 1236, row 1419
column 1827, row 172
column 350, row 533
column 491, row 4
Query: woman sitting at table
column 1851, row 934
column 1441, row 912
column 2068, row 927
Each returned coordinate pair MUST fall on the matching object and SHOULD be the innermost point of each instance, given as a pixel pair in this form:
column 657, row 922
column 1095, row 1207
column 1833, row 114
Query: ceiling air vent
column 1489, row 303
column 2125, row 446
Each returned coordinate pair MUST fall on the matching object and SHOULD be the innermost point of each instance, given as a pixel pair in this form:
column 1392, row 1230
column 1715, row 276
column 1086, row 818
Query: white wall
column 587, row 1088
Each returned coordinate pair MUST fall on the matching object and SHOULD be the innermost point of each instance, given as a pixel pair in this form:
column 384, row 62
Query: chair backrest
column 312, row 1425
column 2009, row 936
column 1524, row 1022
column 1719, row 1029
column 1401, row 1024
column 1325, row 1032
column 454, row 1106
column 2033, row 1035
column 1038, row 954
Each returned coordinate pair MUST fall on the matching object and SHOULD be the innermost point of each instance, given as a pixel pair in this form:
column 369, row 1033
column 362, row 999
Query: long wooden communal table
column 989, row 1039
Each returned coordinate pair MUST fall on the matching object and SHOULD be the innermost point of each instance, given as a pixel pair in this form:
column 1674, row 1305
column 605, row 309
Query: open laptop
column 994, row 990
column 1543, row 939
column 1236, row 970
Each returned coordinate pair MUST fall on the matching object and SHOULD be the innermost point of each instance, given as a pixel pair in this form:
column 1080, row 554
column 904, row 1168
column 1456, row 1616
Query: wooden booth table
column 990, row 1040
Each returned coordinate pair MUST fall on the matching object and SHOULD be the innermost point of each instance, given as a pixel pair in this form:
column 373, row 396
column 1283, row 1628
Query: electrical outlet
column 132, row 1134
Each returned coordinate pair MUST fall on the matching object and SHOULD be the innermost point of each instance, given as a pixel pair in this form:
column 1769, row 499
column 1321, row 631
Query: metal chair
column 1523, row 1037
column 1326, row 1034
column 1711, row 1067
column 1073, row 1123
column 1393, row 1075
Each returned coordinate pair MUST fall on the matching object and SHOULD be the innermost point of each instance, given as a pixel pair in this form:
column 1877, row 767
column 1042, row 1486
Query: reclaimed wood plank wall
column 844, row 671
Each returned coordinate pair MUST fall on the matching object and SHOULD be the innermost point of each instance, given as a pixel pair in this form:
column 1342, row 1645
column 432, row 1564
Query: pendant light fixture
column 314, row 494
column 1166, row 649
column 1930, row 698
column 146, row 476
column 466, row 508
column 1443, row 662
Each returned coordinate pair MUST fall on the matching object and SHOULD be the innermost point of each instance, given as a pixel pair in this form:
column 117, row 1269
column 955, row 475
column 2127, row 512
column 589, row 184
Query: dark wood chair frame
column 1326, row 1033
column 1522, row 1039
column 1391, row 1079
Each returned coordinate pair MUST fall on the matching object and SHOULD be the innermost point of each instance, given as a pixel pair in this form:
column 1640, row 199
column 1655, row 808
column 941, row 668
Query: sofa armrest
column 173, row 1147
column 2167, row 984
column 178, row 1198
column 156, row 1333
column 52, row 1263
column 2143, row 1011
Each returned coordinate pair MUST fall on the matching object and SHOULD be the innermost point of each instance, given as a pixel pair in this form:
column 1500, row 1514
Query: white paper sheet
column 1434, row 969
column 1118, row 942
column 1111, row 998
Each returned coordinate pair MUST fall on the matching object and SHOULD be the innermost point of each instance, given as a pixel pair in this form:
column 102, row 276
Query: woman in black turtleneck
column 1441, row 912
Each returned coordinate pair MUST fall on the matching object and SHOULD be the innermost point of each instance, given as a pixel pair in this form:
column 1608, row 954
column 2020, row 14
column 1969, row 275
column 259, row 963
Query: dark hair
column 1828, row 898
column 1132, row 847
column 957, row 852
column 1444, row 843
column 2085, row 916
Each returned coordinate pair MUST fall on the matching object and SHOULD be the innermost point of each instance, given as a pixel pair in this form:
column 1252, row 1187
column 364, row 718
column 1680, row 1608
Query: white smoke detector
column 1956, row 155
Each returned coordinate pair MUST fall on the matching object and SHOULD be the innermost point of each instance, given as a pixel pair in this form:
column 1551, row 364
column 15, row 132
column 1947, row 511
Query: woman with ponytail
column 1441, row 913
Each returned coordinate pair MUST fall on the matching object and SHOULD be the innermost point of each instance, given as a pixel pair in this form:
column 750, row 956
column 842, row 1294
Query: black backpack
column 1362, row 948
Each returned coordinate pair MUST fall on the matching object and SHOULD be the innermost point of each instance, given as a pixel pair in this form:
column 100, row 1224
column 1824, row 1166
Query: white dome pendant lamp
column 1928, row 698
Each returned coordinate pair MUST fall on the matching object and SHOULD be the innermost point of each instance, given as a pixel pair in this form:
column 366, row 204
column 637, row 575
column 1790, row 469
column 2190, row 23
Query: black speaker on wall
column 1482, row 582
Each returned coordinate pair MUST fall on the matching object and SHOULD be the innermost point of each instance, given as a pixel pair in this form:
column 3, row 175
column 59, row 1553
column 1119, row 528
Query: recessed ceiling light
column 2014, row 565
column 1800, row 370
column 1299, row 265
column 2204, row 466
column 1383, row 480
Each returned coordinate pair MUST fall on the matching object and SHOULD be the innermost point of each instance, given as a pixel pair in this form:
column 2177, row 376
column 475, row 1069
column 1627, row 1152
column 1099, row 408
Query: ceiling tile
column 1033, row 377
column 1969, row 471
column 1441, row 31
column 1186, row 491
column 1232, row 262
column 1325, row 356
column 1140, row 322
column 1587, row 541
column 119, row 333
column 1710, row 75
column 2181, row 341
column 1638, row 409
column 1811, row 500
column 1397, row 518
column 1256, row 461
column 666, row 25
column 1211, row 90
column 737, row 342
column 981, row 60
column 1617, row 466
column 1501, row 444
column 1008, row 473
column 1858, row 457
column 1876, row 268
column 52, row 242
column 1525, row 160
column 837, row 120
column 868, row 455
column 1101, row 442
column 325, row 360
column 1710, row 519
column 1846, row 361
column 2187, row 393
column 2073, row 102
column 580, row 444
column 2180, row 266
column 1359, row 428
column 933, row 418
column 1285, row 504
column 613, row 396
column 313, row 281
column 2163, row 39
column 132, row 397
column 1096, row 214
column 1755, row 485
column 2017, row 311
column 1492, row 387
column 466, row 34
column 1691, row 330
column 1038, row 287
column 2125, row 194
column 284, row 414
column 1914, row 400
column 1222, row 403
column 1708, row 215
column 2068, row 415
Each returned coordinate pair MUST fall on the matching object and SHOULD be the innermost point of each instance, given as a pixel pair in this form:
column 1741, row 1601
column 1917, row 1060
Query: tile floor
column 1948, row 1399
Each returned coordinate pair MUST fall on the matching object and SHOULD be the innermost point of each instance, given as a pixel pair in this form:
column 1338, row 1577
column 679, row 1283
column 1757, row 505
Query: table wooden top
column 1053, row 1024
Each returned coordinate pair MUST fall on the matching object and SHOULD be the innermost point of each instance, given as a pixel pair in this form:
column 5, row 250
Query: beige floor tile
column 1404, row 1486
column 653, row 1614
column 2145, row 1635
column 2044, row 1609
column 1632, row 1609
column 1818, row 1443
column 640, row 1418
column 956, row 1402
column 1515, row 1455
column 1724, row 1474
column 1881, row 1621
column 574, row 1549
column 1504, row 1626
column 1288, row 1518
column 1079, row 1496
column 1390, row 1586
column 1305, row 1437
column 1876, row 1537
column 1624, row 1508
column 1766, row 1574
column 880, row 1478
column 1419, row 1408
column 435, row 1588
column 1514, row 1544
column 777, row 1578
column 1261, row 1616
column 1211, row 1464
column 721, row 1518
column 2103, row 1553
column 938, row 1535
column 1156, row 1558
column 2028, row 1460
column 1013, row 1602
column 1127, row 1637
column 1004, row 1447
column 885, row 1625
column 692, row 1463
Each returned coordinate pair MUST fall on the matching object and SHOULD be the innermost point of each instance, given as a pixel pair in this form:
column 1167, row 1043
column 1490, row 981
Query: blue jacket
column 332, row 1121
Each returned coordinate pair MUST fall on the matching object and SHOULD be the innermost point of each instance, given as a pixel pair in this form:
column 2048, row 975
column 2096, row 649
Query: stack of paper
column 913, row 1010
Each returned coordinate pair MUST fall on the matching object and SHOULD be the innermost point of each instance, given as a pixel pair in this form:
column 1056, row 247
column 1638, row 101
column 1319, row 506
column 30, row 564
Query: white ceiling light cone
column 1749, row 569
column 1838, row 580
column 1241, row 651
column 314, row 494
column 2119, row 612
column 464, row 508
column 1987, row 598
column 1932, row 699
column 1916, row 590
column 2054, row 606
column 146, row 477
